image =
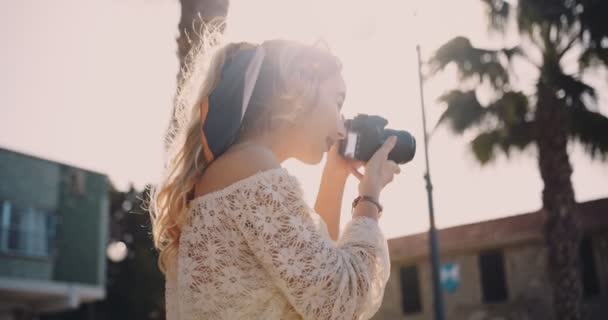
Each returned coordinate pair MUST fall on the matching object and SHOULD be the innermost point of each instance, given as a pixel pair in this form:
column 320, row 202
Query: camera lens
column 404, row 149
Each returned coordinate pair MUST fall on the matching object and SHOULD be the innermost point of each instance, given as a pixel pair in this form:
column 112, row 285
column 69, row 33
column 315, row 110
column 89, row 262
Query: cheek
column 309, row 131
column 317, row 126
column 327, row 124
column 332, row 120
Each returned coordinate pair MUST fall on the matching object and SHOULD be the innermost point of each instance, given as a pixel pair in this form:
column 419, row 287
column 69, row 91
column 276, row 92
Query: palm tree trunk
column 193, row 14
column 562, row 228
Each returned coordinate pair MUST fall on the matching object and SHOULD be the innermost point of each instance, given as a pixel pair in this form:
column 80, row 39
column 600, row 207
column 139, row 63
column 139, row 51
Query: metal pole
column 433, row 238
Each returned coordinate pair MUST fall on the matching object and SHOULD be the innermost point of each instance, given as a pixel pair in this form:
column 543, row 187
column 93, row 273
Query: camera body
column 367, row 133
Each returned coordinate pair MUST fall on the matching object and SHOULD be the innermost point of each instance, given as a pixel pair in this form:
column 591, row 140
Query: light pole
column 433, row 239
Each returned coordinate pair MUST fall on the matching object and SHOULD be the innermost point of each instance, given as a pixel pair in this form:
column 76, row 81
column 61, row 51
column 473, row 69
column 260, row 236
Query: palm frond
column 511, row 108
column 498, row 13
column 593, row 19
column 593, row 57
column 487, row 144
column 474, row 62
column 573, row 91
column 534, row 13
column 463, row 110
column 483, row 146
column 574, row 87
column 591, row 130
column 594, row 37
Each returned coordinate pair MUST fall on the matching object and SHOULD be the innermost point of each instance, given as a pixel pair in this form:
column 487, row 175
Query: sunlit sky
column 90, row 83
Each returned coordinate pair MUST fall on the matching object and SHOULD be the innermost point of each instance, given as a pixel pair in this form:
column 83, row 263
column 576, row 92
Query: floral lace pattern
column 255, row 250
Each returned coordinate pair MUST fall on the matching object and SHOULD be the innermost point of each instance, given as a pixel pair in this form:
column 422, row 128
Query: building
column 53, row 233
column 494, row 270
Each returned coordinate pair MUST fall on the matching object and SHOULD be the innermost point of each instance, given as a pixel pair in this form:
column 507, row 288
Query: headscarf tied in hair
column 222, row 112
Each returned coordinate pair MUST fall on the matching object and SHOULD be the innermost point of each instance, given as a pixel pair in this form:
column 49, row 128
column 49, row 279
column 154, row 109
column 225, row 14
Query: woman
column 236, row 239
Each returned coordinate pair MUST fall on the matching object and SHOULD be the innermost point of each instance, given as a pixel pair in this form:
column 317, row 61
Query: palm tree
column 561, row 109
column 196, row 16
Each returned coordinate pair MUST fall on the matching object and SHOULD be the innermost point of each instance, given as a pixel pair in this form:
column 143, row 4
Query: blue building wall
column 76, row 202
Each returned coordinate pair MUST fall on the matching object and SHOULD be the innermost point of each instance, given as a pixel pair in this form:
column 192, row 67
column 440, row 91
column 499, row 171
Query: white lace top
column 256, row 250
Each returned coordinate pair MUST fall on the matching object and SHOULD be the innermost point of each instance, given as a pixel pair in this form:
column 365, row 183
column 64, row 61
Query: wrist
column 369, row 192
column 368, row 199
column 336, row 172
column 366, row 209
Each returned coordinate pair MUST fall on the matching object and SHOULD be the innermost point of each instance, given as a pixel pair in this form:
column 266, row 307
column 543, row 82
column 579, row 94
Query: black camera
column 366, row 134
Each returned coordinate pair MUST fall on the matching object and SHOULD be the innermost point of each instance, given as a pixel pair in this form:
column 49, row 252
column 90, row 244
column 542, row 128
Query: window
column 587, row 267
column 492, row 269
column 26, row 231
column 410, row 290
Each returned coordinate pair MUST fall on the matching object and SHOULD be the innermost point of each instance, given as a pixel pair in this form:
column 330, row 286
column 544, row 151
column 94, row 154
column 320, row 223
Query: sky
column 90, row 83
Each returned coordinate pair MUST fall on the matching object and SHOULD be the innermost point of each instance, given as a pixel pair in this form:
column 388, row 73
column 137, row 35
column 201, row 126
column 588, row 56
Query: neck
column 271, row 142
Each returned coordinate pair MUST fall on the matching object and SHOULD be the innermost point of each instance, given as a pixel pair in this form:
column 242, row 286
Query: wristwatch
column 369, row 199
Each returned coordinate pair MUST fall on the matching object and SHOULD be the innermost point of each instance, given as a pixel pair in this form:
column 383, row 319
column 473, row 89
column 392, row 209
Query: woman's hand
column 379, row 171
column 341, row 165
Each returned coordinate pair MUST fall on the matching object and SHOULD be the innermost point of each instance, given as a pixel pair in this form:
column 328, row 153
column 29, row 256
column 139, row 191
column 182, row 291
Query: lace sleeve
column 320, row 224
column 322, row 280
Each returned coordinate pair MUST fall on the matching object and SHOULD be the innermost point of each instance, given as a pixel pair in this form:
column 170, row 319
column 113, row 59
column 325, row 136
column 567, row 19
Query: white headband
column 251, row 77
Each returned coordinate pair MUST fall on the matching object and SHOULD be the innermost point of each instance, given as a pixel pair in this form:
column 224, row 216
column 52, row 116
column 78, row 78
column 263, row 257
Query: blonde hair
column 300, row 70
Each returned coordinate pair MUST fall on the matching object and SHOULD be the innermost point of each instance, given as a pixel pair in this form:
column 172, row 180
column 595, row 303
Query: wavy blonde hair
column 300, row 71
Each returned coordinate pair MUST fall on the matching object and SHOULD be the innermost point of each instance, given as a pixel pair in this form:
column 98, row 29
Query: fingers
column 394, row 167
column 356, row 173
column 386, row 148
column 358, row 164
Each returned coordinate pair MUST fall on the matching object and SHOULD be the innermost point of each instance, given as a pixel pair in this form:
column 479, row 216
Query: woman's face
column 315, row 131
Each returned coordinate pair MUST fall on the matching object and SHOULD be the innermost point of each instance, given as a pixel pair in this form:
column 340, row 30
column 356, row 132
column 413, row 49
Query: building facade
column 495, row 270
column 53, row 234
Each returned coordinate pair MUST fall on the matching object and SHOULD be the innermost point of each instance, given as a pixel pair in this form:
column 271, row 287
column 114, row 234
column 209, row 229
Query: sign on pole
column 450, row 277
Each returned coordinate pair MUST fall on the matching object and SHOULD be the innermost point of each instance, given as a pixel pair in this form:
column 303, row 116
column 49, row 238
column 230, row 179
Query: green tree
column 561, row 109
column 135, row 288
